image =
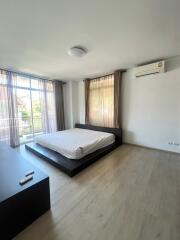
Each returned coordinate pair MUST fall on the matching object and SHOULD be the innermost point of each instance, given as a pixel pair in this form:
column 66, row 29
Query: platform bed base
column 73, row 166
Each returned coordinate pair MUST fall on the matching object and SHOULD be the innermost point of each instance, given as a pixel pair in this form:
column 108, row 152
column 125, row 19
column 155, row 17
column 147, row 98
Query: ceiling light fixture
column 77, row 52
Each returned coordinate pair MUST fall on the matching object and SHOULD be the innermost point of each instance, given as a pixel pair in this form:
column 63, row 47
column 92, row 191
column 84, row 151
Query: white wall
column 71, row 104
column 81, row 99
column 67, row 105
column 151, row 108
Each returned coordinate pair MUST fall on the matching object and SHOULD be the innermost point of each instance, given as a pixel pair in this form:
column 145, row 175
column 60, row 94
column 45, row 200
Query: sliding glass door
column 32, row 108
column 27, row 107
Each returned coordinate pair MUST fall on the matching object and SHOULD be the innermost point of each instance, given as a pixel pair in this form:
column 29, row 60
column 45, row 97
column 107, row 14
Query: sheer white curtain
column 47, row 100
column 27, row 105
column 8, row 109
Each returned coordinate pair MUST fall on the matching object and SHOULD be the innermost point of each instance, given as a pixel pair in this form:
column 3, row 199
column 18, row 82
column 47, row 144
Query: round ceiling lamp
column 77, row 52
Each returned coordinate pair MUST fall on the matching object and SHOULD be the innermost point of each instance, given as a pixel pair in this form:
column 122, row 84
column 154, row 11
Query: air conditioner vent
column 153, row 68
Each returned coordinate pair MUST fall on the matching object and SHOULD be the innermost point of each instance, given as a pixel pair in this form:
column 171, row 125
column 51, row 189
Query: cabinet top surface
column 13, row 168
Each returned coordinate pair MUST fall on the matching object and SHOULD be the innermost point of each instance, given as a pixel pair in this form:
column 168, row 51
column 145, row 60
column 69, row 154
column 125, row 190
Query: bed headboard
column 116, row 131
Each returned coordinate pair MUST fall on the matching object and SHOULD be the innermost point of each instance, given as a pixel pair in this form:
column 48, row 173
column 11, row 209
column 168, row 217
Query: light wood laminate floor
column 132, row 193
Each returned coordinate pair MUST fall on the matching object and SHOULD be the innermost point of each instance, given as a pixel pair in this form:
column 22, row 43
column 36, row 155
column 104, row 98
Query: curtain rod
column 30, row 75
column 104, row 75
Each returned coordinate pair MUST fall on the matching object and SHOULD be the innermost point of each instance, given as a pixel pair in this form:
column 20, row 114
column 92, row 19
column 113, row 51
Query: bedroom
column 112, row 171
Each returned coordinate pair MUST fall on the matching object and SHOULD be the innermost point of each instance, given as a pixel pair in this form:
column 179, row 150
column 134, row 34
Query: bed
column 73, row 150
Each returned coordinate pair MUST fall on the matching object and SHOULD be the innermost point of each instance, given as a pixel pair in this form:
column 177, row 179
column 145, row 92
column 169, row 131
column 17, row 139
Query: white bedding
column 75, row 143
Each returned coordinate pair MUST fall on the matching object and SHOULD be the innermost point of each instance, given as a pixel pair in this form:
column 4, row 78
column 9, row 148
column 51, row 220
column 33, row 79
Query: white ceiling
column 36, row 34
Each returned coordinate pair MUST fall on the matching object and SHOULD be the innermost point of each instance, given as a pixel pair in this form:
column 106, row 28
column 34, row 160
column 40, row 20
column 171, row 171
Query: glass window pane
column 37, row 112
column 3, row 77
column 22, row 81
column 36, row 83
column 24, row 115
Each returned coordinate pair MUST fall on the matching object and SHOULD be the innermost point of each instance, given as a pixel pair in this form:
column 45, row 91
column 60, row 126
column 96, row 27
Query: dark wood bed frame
column 74, row 166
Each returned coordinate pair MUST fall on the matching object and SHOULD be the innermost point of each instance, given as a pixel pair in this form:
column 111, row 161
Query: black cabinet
column 20, row 205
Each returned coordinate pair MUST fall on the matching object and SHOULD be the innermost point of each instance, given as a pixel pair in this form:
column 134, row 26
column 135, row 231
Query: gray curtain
column 86, row 87
column 117, row 98
column 59, row 103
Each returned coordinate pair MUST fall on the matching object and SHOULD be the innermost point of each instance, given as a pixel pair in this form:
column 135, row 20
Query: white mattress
column 75, row 143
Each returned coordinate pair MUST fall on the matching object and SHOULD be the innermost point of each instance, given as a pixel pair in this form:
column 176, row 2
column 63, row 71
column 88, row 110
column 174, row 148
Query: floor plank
column 132, row 193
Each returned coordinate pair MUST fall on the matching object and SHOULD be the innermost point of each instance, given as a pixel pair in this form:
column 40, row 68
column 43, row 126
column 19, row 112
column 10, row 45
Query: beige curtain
column 59, row 103
column 101, row 101
column 117, row 98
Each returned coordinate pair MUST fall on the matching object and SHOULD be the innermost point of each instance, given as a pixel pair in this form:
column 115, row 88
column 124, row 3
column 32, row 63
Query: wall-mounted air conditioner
column 153, row 68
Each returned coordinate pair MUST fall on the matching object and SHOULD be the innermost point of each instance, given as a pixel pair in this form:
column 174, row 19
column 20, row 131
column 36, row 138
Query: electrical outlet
column 174, row 143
